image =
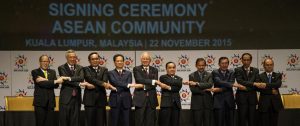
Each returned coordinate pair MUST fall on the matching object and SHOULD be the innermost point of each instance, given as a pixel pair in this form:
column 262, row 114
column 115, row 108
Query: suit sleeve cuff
column 153, row 82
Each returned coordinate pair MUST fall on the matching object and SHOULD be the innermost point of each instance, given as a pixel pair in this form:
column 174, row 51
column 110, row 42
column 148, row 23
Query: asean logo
column 210, row 61
column 21, row 93
column 102, row 61
column 128, row 63
column 184, row 95
column 158, row 62
column 30, row 82
column 2, row 108
column 51, row 59
column 20, row 63
column 183, row 61
column 235, row 60
column 77, row 60
column 293, row 60
column 283, row 76
column 3, row 78
column 158, row 92
column 294, row 91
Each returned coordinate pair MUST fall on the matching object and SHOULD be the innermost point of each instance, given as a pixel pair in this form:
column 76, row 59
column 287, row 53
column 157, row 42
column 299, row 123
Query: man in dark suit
column 224, row 105
column 246, row 96
column 94, row 98
column 269, row 103
column 145, row 99
column 44, row 98
column 70, row 92
column 202, row 100
column 170, row 99
column 120, row 100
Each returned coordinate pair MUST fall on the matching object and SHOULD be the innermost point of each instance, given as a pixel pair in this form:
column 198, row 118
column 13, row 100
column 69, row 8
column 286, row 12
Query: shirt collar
column 268, row 73
column 43, row 70
column 119, row 70
column 71, row 65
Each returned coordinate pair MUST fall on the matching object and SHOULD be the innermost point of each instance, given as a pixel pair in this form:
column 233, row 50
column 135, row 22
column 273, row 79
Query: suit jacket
column 44, row 91
column 68, row 86
column 168, row 97
column 141, row 77
column 225, row 83
column 201, row 99
column 123, row 92
column 247, row 81
column 97, row 96
column 267, row 98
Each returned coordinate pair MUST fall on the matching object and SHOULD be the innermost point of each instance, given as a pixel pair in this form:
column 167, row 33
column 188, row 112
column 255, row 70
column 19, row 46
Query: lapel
column 245, row 73
column 144, row 72
column 197, row 76
column 265, row 77
column 41, row 72
column 204, row 78
column 273, row 77
column 116, row 73
column 222, row 76
column 68, row 69
column 93, row 71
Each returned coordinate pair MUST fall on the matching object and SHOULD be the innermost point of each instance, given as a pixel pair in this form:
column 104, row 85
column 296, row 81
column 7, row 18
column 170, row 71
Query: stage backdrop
column 16, row 80
column 187, row 29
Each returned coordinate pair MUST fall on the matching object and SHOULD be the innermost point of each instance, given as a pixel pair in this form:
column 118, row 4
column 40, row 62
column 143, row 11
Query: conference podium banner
column 149, row 25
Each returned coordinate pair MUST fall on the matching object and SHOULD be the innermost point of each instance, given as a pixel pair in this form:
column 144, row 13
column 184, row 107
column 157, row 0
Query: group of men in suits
column 212, row 93
column 218, row 107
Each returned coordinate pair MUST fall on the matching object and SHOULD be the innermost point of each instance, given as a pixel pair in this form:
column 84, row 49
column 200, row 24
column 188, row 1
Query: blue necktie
column 270, row 78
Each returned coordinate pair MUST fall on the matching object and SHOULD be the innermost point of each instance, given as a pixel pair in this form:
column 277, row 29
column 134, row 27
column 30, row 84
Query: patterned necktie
column 146, row 70
column 46, row 74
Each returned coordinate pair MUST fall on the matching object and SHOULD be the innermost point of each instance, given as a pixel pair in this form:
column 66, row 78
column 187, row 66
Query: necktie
column 200, row 75
column 247, row 71
column 46, row 74
column 73, row 92
column 72, row 69
column 224, row 73
column 96, row 69
column 146, row 70
column 270, row 78
column 120, row 72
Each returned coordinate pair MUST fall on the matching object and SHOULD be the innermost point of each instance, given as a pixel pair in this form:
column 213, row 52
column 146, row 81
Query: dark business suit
column 246, row 100
column 202, row 101
column 270, row 103
column 145, row 100
column 70, row 95
column 120, row 100
column 95, row 100
column 223, row 101
column 44, row 97
column 170, row 101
